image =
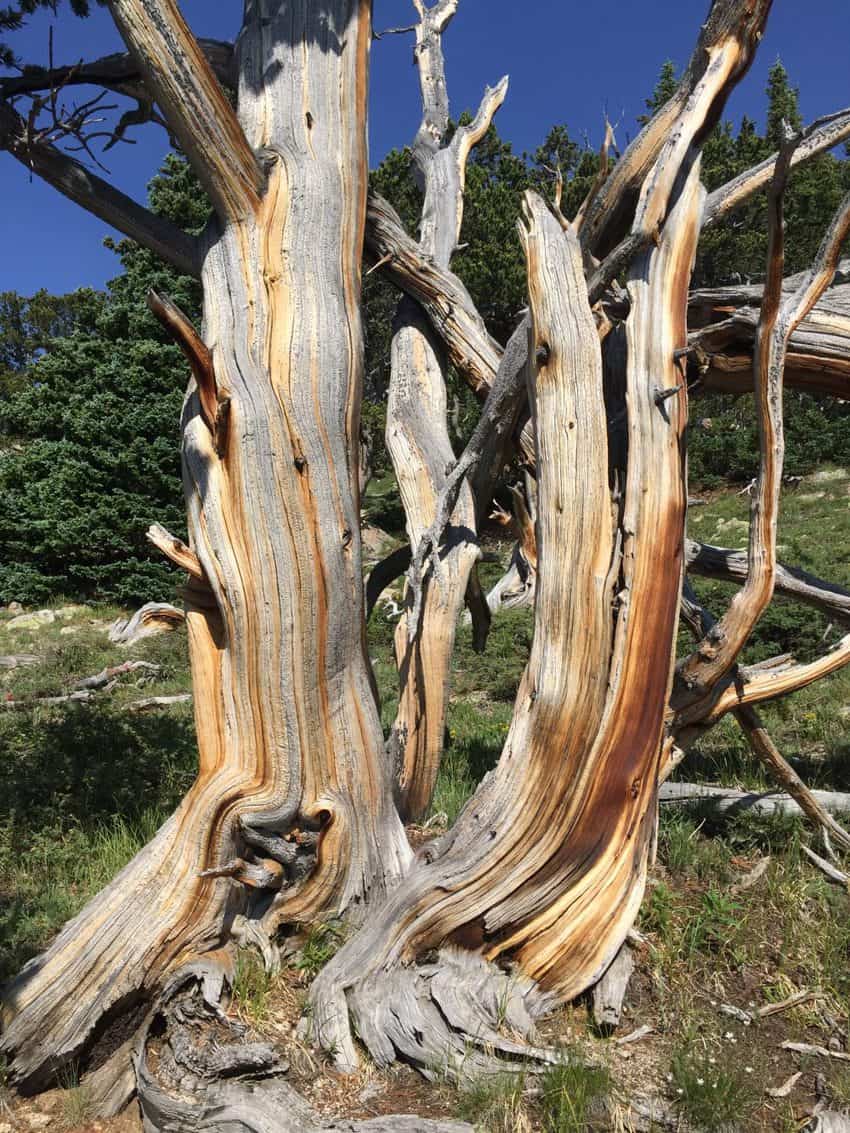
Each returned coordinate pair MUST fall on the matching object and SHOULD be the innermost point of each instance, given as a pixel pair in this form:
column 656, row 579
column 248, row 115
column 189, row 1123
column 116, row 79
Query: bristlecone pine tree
column 299, row 806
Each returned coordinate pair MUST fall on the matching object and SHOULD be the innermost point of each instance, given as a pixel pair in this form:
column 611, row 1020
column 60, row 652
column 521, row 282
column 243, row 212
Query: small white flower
column 751, row 1004
column 728, row 1035
column 714, row 1085
column 712, row 1061
column 669, row 1077
column 713, row 1002
column 700, row 1082
column 680, row 1090
column 748, row 1069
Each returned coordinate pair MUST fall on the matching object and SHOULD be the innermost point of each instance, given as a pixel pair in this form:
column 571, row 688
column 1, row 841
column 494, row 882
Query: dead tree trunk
column 293, row 790
column 293, row 815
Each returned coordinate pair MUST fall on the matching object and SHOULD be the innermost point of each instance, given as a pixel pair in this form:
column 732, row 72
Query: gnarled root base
column 457, row 1016
column 196, row 1070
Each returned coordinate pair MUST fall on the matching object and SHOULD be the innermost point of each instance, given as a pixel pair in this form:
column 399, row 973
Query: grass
column 321, row 942
column 252, row 988
column 83, row 787
column 715, row 1094
column 573, row 1096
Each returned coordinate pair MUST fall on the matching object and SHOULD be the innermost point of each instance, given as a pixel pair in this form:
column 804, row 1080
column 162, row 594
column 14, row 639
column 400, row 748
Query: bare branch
column 756, row 685
column 176, row 72
column 779, row 317
column 176, row 550
column 97, row 196
column 723, row 52
column 197, row 354
column 438, row 290
column 816, row 138
column 767, row 752
column 791, row 582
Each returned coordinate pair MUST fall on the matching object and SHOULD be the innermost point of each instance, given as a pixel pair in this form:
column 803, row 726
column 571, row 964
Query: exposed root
column 457, row 1016
column 198, row 1069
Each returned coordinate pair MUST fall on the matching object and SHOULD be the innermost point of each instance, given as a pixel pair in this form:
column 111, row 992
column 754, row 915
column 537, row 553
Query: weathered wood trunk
column 292, row 782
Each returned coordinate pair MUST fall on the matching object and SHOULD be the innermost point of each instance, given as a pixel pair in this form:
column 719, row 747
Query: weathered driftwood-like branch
column 153, row 617
column 758, row 684
column 779, row 316
column 701, row 623
column 724, row 51
column 438, row 504
column 728, row 800
column 178, row 75
column 97, row 196
column 439, row 292
column 787, row 777
column 176, row 550
column 791, row 582
column 818, row 137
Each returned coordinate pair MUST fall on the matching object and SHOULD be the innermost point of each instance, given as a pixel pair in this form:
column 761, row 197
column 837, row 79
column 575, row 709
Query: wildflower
column 700, row 1082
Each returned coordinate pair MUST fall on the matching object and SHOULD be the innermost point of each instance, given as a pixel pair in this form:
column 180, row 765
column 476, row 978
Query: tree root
column 458, row 1017
column 197, row 1069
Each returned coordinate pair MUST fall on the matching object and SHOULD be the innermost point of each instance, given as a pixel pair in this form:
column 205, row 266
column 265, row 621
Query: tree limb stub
column 197, row 355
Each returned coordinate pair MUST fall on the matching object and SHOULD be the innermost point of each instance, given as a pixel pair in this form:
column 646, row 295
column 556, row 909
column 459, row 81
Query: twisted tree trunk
column 293, row 789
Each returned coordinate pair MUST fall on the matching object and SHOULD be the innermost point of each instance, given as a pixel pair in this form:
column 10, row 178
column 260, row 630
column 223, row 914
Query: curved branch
column 791, row 582
column 757, row 685
column 716, row 653
column 819, row 136
column 98, row 197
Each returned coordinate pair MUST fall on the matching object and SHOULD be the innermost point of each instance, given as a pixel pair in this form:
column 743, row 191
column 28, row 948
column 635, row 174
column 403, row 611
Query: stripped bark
column 496, row 883
column 288, row 731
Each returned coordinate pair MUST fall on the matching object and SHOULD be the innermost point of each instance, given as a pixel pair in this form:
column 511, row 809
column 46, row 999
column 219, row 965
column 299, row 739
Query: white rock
column 66, row 631
column 35, row 620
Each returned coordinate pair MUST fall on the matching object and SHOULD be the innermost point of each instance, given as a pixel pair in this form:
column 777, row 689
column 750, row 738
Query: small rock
column 39, row 1120
column 15, row 608
column 66, row 631
column 35, row 620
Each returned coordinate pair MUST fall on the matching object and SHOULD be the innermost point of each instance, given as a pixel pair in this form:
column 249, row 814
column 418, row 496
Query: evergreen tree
column 91, row 429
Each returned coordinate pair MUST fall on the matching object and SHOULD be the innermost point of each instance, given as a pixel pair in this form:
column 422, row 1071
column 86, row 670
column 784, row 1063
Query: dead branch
column 147, row 703
column 818, row 137
column 97, row 196
column 176, row 550
column 181, row 80
column 197, row 354
column 715, row 655
column 153, row 617
column 791, row 582
column 727, row 801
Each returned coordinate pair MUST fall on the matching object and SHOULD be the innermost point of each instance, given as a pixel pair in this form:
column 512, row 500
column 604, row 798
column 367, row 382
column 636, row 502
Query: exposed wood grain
column 288, row 731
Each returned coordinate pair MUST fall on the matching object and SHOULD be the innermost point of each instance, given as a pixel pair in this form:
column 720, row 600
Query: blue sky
column 569, row 62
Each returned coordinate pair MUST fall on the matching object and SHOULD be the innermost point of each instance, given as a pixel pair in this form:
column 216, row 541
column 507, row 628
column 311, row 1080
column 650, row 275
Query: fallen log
column 728, row 801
